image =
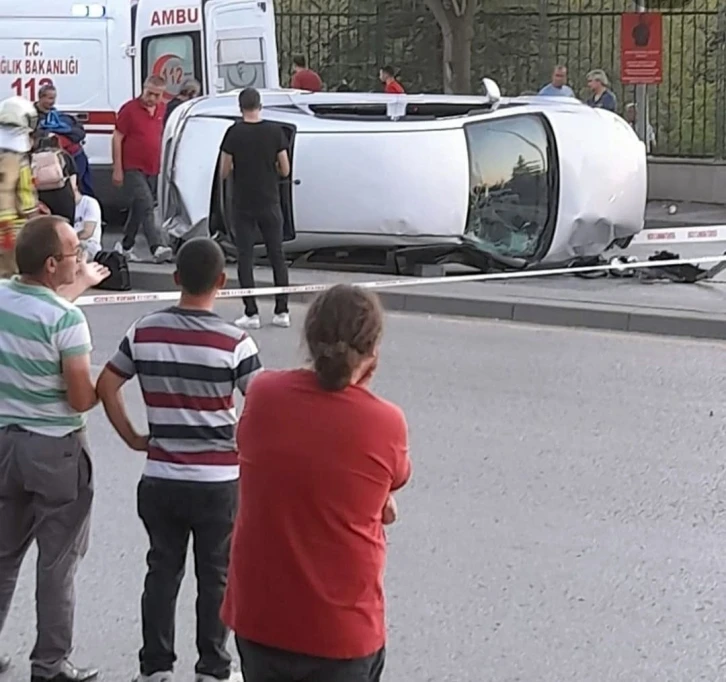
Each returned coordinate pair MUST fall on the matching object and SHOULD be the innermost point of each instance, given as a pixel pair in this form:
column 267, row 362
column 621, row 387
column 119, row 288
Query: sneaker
column 248, row 322
column 161, row 254
column 281, row 320
column 131, row 257
column 162, row 676
column 234, row 676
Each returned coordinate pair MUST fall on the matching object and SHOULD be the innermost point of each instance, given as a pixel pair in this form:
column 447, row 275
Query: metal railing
column 518, row 46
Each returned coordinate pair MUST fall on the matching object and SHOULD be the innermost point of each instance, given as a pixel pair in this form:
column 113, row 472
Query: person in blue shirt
column 602, row 96
column 558, row 87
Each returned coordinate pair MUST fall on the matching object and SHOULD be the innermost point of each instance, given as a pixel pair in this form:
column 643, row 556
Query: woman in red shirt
column 320, row 455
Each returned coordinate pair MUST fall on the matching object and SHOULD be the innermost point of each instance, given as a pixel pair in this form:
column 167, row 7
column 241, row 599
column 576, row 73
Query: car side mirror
column 491, row 90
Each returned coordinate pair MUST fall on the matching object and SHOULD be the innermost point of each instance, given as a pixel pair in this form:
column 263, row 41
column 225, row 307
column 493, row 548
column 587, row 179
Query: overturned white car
column 481, row 180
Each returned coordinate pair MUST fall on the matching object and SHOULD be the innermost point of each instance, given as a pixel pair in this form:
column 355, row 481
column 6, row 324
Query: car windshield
column 509, row 195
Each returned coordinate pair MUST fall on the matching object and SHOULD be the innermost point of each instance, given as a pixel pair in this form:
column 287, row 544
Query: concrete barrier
column 686, row 180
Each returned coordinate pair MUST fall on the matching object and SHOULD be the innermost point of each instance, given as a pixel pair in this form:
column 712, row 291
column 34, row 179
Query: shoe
column 161, row 254
column 131, row 257
column 281, row 320
column 4, row 663
column 234, row 676
column 248, row 322
column 69, row 674
column 162, row 676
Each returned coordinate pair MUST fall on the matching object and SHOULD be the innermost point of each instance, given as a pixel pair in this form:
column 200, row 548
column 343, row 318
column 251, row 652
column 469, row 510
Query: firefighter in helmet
column 18, row 198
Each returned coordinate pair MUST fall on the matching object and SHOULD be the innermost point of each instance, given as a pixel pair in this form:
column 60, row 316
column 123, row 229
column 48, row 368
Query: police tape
column 159, row 296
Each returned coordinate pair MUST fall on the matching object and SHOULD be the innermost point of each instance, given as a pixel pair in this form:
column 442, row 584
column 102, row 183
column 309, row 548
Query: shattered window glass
column 509, row 198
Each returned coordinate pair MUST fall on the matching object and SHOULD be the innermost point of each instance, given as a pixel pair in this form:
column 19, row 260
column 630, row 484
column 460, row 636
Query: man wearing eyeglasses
column 46, row 387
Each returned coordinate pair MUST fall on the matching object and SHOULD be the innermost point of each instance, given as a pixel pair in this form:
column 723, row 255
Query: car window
column 509, row 195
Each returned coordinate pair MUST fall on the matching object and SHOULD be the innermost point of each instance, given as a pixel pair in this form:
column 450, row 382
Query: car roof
column 345, row 104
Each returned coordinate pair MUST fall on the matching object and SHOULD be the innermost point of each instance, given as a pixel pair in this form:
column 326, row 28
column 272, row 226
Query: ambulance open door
column 241, row 45
column 168, row 43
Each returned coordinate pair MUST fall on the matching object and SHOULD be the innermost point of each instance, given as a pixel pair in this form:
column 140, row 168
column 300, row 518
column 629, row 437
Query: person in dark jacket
column 602, row 96
column 189, row 90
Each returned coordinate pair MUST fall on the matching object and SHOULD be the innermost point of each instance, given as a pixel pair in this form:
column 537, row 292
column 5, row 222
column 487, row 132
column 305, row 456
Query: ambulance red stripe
column 100, row 118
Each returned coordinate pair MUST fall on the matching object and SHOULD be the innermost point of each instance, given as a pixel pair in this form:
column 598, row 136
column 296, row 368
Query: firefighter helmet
column 18, row 112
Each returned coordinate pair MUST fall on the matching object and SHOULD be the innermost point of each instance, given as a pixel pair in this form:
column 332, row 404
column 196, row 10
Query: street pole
column 641, row 96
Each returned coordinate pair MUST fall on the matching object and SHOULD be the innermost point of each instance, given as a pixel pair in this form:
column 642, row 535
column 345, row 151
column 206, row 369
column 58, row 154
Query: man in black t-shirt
column 255, row 152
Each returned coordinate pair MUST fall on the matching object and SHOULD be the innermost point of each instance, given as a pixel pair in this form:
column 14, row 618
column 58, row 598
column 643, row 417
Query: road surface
column 566, row 518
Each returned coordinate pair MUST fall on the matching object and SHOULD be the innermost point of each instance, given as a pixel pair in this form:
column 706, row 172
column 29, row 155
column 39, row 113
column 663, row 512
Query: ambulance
column 98, row 54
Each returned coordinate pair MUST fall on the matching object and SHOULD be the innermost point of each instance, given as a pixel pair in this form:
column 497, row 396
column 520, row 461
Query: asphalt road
column 566, row 519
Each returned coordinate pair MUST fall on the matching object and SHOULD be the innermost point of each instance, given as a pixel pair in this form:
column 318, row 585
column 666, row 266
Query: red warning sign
column 641, row 48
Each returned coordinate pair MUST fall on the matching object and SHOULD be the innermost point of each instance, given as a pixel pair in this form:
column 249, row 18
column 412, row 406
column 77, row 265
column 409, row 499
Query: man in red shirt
column 388, row 78
column 304, row 78
column 136, row 150
column 305, row 584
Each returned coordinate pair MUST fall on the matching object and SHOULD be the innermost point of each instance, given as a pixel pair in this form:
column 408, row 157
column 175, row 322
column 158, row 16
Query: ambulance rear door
column 241, row 45
column 168, row 41
column 79, row 48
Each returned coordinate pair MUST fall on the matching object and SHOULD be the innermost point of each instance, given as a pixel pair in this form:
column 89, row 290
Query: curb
column 610, row 317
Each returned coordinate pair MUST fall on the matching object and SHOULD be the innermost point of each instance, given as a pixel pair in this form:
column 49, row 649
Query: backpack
column 120, row 277
column 48, row 169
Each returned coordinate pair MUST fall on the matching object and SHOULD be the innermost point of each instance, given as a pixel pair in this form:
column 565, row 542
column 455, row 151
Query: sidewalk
column 699, row 215
column 695, row 310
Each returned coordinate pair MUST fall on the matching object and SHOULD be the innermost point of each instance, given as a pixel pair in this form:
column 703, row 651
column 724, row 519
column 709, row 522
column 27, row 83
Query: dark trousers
column 85, row 181
column 265, row 664
column 269, row 221
column 140, row 191
column 46, row 491
column 171, row 512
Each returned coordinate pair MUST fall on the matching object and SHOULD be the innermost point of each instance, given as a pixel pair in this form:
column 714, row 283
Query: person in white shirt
column 87, row 224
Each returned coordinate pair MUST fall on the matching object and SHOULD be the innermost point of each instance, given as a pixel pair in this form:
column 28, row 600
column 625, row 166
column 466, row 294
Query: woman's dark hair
column 343, row 325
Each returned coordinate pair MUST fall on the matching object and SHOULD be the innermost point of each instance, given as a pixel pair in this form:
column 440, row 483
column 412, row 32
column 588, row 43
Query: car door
column 286, row 197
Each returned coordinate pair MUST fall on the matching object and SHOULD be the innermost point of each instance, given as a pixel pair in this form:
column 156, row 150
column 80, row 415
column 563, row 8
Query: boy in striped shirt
column 188, row 361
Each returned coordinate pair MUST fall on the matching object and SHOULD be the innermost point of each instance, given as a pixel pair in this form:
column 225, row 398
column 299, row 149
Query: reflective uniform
column 18, row 198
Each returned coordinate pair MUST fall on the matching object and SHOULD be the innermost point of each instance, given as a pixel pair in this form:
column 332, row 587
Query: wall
column 691, row 180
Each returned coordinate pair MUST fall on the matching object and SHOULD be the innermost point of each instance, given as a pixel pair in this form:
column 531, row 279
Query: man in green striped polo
column 46, row 485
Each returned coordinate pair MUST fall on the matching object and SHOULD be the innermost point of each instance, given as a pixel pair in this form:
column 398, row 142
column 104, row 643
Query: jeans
column 140, row 190
column 265, row 664
column 171, row 512
column 269, row 220
column 46, row 492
